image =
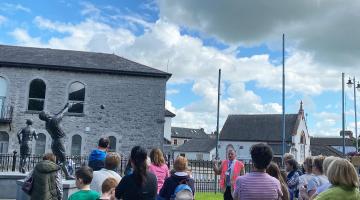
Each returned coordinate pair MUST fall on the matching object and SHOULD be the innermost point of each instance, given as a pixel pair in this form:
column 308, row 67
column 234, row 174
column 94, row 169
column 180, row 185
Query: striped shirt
column 257, row 185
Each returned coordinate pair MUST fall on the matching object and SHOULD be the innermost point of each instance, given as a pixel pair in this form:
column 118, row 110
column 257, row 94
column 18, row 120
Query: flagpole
column 283, row 98
column 217, row 126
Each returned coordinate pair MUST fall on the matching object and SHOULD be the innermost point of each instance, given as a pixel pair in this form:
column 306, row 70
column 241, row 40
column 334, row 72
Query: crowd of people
column 319, row 178
column 149, row 178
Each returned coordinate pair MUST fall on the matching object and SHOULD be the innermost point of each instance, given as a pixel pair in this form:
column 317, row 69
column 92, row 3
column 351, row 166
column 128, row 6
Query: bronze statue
column 25, row 136
column 52, row 124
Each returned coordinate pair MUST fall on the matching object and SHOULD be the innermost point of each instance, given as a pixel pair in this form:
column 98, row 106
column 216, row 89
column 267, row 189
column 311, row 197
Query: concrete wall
column 134, row 107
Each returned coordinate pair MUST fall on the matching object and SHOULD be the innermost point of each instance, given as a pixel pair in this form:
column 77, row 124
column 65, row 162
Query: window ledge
column 32, row 112
column 75, row 114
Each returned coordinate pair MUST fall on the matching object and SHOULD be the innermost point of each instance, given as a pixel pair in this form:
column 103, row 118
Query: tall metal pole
column 343, row 112
column 356, row 134
column 217, row 125
column 217, row 117
column 283, row 98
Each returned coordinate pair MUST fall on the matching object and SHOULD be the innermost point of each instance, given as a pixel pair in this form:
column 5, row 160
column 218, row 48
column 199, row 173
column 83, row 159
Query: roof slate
column 197, row 145
column 324, row 150
column 265, row 127
column 335, row 141
column 190, row 133
column 30, row 57
column 168, row 113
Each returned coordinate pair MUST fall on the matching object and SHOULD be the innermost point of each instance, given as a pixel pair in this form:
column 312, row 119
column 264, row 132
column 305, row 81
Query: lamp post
column 350, row 84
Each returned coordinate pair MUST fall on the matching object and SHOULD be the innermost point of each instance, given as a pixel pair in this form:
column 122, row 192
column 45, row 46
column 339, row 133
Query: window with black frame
column 77, row 97
column 37, row 95
column 76, row 145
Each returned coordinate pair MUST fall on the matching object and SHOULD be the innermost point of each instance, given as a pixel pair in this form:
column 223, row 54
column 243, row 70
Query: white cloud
column 3, row 19
column 190, row 60
column 172, row 91
column 8, row 7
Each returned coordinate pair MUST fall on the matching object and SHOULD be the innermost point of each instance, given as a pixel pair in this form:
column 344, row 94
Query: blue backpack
column 182, row 192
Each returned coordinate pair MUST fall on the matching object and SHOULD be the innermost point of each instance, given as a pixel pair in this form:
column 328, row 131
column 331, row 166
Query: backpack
column 182, row 192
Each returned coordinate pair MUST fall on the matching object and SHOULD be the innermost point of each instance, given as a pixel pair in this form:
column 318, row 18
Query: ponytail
column 138, row 157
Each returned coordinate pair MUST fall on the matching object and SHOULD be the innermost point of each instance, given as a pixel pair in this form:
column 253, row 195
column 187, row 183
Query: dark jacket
column 172, row 182
column 44, row 181
column 128, row 189
column 97, row 159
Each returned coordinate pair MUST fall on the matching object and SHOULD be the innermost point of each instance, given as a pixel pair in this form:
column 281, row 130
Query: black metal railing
column 201, row 171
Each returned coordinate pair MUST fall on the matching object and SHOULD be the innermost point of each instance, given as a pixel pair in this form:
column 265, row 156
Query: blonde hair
column 157, row 157
column 180, row 164
column 342, row 173
column 288, row 156
column 112, row 160
column 327, row 161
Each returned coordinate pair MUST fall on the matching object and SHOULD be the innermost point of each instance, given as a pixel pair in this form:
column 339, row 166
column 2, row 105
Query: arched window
column 302, row 138
column 4, row 142
column 76, row 145
column 37, row 95
column 77, row 97
column 40, row 144
column 112, row 143
column 3, row 89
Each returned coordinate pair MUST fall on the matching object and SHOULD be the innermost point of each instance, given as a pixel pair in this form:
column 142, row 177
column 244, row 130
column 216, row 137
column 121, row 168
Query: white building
column 242, row 131
column 197, row 149
column 180, row 135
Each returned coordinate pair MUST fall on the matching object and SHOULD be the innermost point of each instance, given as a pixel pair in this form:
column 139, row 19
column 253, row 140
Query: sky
column 192, row 40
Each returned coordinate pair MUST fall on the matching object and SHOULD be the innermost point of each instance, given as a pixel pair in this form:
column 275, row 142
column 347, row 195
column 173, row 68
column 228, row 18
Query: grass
column 208, row 196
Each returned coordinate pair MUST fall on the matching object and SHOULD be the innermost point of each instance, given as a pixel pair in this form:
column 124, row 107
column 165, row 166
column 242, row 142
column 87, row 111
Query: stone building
column 113, row 97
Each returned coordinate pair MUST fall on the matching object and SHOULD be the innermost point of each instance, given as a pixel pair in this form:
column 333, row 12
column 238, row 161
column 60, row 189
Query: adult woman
column 179, row 177
column 326, row 186
column 319, row 178
column 274, row 171
column 345, row 182
column 47, row 179
column 293, row 177
column 141, row 184
column 158, row 167
column 305, row 178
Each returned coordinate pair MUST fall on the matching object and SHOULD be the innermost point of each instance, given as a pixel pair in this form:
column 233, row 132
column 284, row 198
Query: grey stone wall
column 134, row 107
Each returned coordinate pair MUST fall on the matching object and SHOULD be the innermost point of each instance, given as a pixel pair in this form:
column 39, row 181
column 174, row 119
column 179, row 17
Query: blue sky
column 192, row 40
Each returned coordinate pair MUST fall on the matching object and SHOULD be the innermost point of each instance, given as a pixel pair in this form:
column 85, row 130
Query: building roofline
column 87, row 70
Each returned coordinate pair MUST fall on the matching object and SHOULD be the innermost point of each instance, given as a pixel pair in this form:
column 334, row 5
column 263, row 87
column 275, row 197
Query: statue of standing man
column 25, row 136
column 52, row 124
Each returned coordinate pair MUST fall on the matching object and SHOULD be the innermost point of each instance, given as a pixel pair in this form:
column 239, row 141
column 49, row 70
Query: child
column 84, row 177
column 108, row 189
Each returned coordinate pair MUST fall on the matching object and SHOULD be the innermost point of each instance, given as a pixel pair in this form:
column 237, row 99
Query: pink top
column 161, row 174
column 257, row 185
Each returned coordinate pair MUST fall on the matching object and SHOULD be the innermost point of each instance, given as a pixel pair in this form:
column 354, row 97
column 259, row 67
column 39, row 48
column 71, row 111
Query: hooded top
column 172, row 182
column 44, row 181
column 96, row 159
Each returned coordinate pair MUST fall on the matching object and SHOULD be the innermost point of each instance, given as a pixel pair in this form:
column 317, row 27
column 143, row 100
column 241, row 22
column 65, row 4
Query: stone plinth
column 8, row 184
column 69, row 188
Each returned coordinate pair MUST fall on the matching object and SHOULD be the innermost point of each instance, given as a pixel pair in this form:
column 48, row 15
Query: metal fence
column 201, row 171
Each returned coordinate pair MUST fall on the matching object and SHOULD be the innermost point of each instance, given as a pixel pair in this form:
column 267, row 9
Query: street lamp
column 350, row 83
